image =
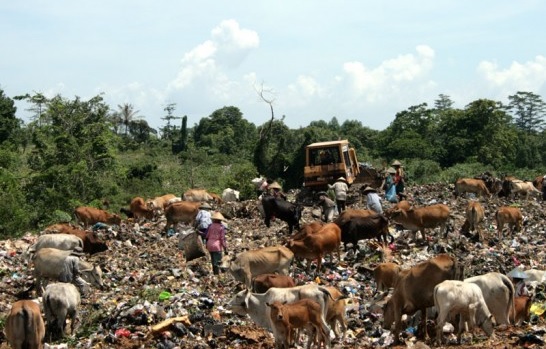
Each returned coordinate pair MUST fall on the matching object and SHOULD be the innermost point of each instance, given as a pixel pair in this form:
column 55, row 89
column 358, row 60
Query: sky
column 312, row 59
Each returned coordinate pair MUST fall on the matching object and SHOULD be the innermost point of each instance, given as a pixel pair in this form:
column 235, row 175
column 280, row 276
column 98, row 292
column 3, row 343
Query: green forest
column 85, row 152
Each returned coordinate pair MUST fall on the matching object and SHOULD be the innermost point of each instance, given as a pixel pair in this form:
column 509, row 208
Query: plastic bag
column 390, row 195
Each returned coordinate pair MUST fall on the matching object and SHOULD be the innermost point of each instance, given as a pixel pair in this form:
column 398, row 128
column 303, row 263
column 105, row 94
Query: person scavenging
column 275, row 190
column 203, row 219
column 340, row 188
column 399, row 179
column 372, row 199
column 216, row 241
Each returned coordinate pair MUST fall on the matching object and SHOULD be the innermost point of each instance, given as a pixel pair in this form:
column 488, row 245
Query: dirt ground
column 149, row 282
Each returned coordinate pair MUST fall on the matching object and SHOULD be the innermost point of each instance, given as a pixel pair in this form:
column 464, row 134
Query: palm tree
column 128, row 113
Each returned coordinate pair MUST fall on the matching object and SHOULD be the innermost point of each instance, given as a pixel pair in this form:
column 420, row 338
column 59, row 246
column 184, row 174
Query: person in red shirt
column 216, row 241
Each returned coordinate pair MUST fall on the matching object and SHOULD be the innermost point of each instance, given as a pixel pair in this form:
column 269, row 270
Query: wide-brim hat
column 396, row 163
column 341, row 179
column 517, row 273
column 322, row 193
column 205, row 206
column 391, row 170
column 274, row 185
column 369, row 189
column 218, row 216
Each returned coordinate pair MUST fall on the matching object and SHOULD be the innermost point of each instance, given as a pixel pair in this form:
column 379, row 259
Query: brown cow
column 414, row 290
column 90, row 215
column 139, row 209
column 59, row 228
column 350, row 213
column 182, row 211
column 385, row 275
column 315, row 246
column 522, row 307
column 402, row 205
column 304, row 313
column 421, row 218
column 24, row 325
column 474, row 216
column 264, row 282
column 336, row 312
column 308, row 229
column 538, row 182
column 508, row 215
column 471, row 185
column 91, row 243
column 201, row 195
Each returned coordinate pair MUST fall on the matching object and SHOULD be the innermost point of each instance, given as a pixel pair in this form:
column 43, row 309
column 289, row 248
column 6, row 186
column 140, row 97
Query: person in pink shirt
column 216, row 241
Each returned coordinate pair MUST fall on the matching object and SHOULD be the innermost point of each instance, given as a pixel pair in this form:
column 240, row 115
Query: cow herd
column 271, row 297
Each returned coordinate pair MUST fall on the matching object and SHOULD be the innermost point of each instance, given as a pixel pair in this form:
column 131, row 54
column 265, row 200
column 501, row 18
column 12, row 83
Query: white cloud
column 529, row 76
column 391, row 76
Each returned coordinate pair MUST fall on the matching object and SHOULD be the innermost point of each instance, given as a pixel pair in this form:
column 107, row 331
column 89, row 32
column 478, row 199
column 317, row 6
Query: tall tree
column 127, row 113
column 168, row 130
column 443, row 102
column 529, row 111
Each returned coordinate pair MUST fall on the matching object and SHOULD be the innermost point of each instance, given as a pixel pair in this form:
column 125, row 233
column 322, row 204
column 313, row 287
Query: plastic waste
column 122, row 332
column 165, row 295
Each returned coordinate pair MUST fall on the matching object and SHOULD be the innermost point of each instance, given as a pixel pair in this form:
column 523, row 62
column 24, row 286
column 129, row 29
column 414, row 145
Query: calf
column 201, row 195
column 304, row 313
column 182, row 211
column 402, row 205
column 90, row 215
column 254, row 304
column 264, row 282
column 159, row 203
column 369, row 227
column 61, row 301
column 474, row 216
column 498, row 293
column 336, row 312
column 385, row 275
column 265, row 260
column 419, row 219
column 62, row 266
column 283, row 210
column 414, row 290
column 508, row 215
column 315, row 246
column 522, row 307
column 452, row 297
column 471, row 185
column 139, row 209
column 24, row 326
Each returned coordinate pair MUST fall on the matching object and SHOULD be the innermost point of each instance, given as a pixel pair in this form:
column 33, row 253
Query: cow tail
column 512, row 291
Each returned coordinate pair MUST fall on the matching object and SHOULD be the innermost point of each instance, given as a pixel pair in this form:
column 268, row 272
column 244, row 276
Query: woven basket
column 192, row 245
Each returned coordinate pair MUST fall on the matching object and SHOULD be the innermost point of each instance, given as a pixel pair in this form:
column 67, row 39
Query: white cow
column 61, row 300
column 62, row 266
column 452, row 297
column 65, row 242
column 498, row 293
column 230, row 195
column 254, row 304
column 536, row 275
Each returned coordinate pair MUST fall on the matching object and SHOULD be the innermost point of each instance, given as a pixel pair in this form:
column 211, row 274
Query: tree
column 443, row 102
column 169, row 130
column 9, row 124
column 127, row 113
column 529, row 110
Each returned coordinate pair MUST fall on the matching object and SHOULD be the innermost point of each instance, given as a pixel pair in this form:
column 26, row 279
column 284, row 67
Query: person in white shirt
column 340, row 189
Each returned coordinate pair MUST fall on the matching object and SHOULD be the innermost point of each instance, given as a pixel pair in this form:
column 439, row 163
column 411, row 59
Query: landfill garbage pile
column 155, row 299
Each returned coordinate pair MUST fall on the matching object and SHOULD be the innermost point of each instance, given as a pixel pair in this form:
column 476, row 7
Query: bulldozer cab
column 327, row 161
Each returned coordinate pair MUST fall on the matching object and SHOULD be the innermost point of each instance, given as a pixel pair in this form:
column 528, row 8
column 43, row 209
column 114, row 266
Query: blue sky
column 357, row 60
